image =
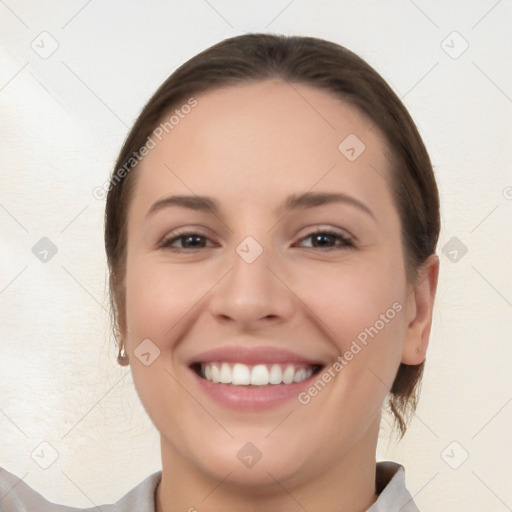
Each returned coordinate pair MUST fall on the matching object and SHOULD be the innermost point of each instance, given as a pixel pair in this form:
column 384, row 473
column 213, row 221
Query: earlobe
column 421, row 303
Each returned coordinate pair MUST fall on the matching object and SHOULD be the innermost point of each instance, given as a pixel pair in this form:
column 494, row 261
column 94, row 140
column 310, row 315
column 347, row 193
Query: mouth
column 243, row 379
column 240, row 374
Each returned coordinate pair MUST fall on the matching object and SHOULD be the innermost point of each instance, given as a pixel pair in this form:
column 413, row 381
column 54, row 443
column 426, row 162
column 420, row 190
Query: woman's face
column 297, row 267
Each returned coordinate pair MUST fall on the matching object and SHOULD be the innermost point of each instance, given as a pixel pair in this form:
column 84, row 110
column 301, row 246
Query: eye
column 324, row 238
column 320, row 239
column 188, row 241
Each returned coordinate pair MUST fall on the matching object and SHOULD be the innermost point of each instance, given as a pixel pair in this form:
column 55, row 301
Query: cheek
column 351, row 296
column 157, row 297
column 345, row 297
column 362, row 310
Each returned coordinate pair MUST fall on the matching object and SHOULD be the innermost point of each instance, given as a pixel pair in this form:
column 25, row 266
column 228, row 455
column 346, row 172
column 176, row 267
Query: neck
column 346, row 486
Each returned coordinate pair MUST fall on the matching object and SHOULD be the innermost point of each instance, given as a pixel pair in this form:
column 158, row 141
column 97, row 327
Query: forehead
column 265, row 138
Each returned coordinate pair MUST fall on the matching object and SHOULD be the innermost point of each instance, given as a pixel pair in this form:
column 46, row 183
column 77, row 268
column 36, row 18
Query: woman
column 271, row 227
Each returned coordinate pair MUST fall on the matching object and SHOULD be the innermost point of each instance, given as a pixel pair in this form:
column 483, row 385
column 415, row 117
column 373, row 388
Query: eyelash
column 168, row 241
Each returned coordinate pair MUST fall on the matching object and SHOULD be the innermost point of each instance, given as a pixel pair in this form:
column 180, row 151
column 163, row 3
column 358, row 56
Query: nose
column 251, row 294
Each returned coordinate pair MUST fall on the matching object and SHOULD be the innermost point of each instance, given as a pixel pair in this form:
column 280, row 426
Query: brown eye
column 186, row 241
column 328, row 239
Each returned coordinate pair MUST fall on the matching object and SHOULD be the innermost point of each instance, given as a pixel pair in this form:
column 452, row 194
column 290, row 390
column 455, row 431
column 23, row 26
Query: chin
column 251, row 465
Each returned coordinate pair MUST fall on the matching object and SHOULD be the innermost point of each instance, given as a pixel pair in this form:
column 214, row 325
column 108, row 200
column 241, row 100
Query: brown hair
column 314, row 62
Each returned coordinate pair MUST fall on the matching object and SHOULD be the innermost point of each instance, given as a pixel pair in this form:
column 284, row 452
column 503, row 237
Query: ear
column 420, row 303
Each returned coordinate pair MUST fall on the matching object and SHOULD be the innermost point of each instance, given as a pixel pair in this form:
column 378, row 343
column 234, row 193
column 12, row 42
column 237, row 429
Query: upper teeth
column 259, row 375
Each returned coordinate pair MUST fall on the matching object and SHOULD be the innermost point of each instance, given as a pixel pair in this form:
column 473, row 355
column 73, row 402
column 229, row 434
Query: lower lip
column 252, row 398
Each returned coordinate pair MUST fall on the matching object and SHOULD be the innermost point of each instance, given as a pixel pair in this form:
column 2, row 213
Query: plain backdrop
column 73, row 77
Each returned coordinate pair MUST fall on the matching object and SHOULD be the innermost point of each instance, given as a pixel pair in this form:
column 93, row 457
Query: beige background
column 63, row 120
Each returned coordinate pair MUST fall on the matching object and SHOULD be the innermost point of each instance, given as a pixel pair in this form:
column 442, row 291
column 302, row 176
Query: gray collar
column 17, row 496
column 390, row 482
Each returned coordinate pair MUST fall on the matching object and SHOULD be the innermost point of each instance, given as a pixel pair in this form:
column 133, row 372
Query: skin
column 249, row 147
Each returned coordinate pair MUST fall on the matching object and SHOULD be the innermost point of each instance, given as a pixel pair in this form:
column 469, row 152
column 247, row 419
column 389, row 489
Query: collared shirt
column 17, row 496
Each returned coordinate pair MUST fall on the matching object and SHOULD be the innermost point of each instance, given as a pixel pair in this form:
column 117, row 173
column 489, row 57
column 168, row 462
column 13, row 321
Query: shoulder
column 140, row 498
column 393, row 494
column 17, row 496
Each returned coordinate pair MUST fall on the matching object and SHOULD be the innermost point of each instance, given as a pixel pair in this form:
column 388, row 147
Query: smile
column 248, row 378
column 239, row 374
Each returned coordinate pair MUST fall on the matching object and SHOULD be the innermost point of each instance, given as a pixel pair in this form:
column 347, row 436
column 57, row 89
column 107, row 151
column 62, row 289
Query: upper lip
column 252, row 356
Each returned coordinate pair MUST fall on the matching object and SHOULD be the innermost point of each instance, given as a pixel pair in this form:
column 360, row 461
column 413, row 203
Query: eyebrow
column 293, row 202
